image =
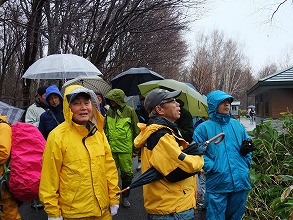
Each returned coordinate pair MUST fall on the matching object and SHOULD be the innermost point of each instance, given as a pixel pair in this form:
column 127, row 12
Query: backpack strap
column 155, row 137
column 53, row 116
column 177, row 174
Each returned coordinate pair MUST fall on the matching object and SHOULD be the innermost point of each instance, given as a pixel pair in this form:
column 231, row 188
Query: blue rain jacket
column 225, row 168
column 47, row 122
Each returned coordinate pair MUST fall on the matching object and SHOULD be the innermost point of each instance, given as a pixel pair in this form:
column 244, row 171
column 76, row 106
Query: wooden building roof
column 282, row 79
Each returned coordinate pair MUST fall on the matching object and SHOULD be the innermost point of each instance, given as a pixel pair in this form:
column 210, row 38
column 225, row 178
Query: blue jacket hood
column 53, row 89
column 214, row 99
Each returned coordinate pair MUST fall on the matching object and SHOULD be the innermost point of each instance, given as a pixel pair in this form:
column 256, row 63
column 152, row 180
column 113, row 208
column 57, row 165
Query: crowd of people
column 91, row 140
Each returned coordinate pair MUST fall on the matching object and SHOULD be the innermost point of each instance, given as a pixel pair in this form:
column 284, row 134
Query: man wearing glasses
column 161, row 145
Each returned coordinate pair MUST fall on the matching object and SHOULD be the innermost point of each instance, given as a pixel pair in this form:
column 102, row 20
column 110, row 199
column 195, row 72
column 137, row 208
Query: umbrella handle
column 122, row 191
column 221, row 136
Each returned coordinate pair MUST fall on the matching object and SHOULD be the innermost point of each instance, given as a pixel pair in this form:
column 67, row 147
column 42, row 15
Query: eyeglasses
column 173, row 100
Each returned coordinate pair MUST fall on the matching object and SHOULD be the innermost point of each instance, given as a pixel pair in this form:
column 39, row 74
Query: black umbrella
column 129, row 79
column 152, row 175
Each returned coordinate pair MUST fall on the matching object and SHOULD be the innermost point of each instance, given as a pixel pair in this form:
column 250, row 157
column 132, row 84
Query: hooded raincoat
column 53, row 116
column 121, row 129
column 8, row 203
column 161, row 147
column 121, row 124
column 226, row 170
column 78, row 180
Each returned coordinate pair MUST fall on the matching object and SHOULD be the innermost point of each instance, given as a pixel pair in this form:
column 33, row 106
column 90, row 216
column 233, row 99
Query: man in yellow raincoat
column 9, row 206
column 79, row 178
column 161, row 147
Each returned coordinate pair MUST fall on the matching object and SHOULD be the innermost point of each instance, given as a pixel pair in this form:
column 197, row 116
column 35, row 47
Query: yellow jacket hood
column 98, row 118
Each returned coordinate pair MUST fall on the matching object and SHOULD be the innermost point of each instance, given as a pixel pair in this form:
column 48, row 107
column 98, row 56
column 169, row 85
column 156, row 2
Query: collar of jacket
column 221, row 119
column 58, row 108
column 163, row 121
column 81, row 128
column 41, row 105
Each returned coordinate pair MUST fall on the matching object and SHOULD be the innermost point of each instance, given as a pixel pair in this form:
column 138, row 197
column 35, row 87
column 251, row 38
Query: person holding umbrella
column 226, row 166
column 161, row 147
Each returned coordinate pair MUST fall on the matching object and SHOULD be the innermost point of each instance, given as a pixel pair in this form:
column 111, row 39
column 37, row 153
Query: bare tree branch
column 277, row 9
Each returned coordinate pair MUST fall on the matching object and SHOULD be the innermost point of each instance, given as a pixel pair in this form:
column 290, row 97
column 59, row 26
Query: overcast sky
column 248, row 22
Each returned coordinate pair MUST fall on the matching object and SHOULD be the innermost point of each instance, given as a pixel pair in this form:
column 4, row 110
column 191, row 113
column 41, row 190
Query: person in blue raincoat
column 53, row 116
column 226, row 165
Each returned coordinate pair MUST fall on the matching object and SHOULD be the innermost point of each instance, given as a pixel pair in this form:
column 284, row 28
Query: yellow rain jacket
column 163, row 152
column 78, row 180
column 10, row 206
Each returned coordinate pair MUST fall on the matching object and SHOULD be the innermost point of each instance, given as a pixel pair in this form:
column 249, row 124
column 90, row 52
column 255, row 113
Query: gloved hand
column 195, row 149
column 246, row 147
column 59, row 218
column 114, row 209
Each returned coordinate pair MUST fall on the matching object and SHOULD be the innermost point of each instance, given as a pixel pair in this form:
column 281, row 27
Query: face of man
column 54, row 100
column 42, row 98
column 224, row 107
column 82, row 109
column 113, row 104
column 169, row 109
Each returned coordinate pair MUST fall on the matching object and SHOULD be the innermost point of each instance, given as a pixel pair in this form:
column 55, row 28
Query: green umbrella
column 194, row 102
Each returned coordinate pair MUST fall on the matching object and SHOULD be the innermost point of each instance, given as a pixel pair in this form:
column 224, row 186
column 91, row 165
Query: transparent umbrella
column 61, row 66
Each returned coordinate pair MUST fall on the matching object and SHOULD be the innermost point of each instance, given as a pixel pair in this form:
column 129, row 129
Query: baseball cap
column 156, row 96
column 75, row 92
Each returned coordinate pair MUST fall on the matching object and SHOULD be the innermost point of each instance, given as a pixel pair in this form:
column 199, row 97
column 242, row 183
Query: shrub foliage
column 271, row 196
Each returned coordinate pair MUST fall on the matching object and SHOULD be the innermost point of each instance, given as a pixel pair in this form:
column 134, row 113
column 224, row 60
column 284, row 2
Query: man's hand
column 247, row 147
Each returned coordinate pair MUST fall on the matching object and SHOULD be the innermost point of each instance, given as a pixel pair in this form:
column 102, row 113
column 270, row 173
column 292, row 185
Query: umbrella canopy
column 13, row 114
column 251, row 106
column 128, row 80
column 194, row 102
column 95, row 83
column 152, row 174
column 61, row 66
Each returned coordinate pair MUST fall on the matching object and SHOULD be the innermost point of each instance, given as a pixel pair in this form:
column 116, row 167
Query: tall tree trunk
column 32, row 43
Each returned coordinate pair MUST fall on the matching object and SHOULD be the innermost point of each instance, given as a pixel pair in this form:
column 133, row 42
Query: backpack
column 26, row 161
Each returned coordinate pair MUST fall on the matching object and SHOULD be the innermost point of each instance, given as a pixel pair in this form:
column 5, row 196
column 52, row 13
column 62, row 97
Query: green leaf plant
column 272, row 171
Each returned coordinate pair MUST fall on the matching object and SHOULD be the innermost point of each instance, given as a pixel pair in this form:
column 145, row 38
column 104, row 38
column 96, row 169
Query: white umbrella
column 95, row 83
column 61, row 66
